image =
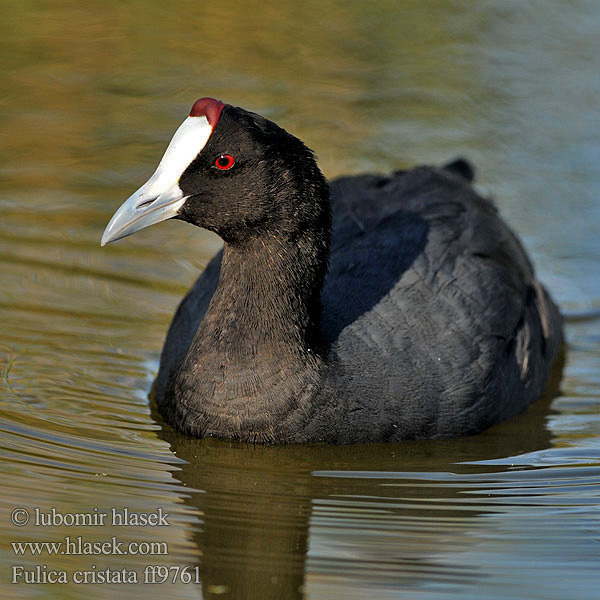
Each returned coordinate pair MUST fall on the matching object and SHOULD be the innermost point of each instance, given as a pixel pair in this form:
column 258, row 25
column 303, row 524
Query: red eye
column 224, row 162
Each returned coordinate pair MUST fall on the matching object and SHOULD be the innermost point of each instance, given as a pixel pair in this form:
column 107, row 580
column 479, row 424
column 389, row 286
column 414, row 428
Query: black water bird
column 370, row 308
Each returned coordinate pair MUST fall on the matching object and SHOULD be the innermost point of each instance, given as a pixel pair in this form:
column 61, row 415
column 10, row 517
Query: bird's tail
column 462, row 167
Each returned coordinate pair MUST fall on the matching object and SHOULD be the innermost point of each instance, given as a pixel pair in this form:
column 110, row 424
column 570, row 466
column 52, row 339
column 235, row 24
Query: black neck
column 268, row 296
column 257, row 351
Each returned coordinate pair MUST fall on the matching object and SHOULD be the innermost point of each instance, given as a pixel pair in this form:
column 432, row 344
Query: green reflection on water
column 91, row 95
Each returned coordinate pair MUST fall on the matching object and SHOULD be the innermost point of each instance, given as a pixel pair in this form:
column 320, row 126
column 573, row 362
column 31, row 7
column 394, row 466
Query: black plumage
column 375, row 308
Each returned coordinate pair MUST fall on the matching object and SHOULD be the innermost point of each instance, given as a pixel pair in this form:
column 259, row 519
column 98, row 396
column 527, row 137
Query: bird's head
column 230, row 171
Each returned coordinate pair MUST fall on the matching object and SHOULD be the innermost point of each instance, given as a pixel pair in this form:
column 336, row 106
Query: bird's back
column 433, row 320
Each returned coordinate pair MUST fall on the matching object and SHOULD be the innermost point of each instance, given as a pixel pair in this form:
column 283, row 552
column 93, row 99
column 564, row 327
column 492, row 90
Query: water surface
column 91, row 95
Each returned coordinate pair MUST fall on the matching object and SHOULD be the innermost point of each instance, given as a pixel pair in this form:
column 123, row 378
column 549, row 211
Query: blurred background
column 90, row 96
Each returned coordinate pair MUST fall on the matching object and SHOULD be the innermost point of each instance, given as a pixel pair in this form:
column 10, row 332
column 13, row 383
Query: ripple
column 511, row 513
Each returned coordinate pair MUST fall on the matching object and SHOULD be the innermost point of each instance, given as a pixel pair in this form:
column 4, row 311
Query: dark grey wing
column 185, row 323
column 430, row 308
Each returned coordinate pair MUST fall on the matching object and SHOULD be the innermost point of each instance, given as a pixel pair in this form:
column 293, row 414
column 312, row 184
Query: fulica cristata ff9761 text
column 370, row 308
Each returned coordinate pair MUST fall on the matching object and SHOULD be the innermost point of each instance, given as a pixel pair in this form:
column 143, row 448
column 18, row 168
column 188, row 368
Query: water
column 91, row 95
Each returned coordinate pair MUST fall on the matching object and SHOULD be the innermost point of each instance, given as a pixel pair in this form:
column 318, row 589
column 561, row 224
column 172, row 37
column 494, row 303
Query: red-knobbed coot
column 370, row 308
